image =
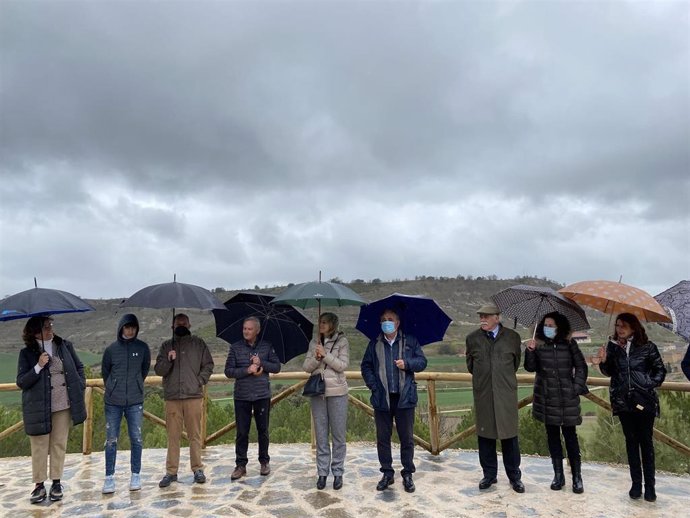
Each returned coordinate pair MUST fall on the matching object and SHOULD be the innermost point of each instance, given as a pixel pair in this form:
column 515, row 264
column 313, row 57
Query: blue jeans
column 134, row 414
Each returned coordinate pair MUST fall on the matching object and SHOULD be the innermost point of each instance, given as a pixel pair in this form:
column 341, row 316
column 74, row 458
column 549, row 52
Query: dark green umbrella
column 318, row 293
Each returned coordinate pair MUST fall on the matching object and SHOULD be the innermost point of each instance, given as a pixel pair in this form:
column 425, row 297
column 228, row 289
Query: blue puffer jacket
column 374, row 371
column 124, row 367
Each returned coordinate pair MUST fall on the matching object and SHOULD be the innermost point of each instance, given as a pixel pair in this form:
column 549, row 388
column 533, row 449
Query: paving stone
column 446, row 488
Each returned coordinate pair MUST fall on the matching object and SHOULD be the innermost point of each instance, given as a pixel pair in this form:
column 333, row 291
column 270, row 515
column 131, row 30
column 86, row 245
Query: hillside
column 459, row 297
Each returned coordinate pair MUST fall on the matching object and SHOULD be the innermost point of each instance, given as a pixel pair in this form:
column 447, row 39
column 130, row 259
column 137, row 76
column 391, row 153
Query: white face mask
column 550, row 332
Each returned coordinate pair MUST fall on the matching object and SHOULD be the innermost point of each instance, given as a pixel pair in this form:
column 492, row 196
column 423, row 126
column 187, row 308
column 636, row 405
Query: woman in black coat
column 561, row 376
column 52, row 381
column 636, row 369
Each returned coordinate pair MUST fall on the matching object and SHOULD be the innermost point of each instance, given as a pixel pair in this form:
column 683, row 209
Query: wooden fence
column 436, row 444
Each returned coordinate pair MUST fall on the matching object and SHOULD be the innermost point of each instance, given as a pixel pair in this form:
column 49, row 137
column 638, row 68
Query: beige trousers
column 177, row 413
column 53, row 444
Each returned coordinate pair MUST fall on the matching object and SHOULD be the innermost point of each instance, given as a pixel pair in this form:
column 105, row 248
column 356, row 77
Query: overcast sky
column 255, row 143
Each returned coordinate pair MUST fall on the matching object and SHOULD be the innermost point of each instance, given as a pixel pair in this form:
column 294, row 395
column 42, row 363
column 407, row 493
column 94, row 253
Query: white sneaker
column 135, row 482
column 109, row 485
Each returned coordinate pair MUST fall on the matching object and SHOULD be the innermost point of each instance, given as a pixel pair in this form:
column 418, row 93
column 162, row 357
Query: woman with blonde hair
column 329, row 355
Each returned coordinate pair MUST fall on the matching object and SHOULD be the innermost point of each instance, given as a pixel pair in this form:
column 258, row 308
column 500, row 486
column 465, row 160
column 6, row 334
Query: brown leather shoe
column 239, row 472
column 265, row 468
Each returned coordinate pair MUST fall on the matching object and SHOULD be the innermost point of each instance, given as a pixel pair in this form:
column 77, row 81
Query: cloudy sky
column 255, row 143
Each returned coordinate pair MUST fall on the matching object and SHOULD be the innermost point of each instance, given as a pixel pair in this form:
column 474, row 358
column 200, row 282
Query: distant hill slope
column 460, row 297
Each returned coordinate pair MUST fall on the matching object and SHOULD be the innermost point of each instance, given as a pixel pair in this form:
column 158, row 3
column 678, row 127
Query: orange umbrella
column 615, row 297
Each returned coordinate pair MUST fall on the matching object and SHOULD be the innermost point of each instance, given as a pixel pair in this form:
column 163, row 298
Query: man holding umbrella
column 186, row 365
column 493, row 358
column 388, row 368
column 249, row 361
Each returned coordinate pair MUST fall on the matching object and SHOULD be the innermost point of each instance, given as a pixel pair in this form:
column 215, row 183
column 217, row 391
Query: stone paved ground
column 446, row 487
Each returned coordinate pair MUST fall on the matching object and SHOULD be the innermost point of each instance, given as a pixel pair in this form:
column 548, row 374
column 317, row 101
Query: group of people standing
column 52, row 381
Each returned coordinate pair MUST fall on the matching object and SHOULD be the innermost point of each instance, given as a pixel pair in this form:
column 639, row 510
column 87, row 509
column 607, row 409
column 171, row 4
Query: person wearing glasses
column 52, row 380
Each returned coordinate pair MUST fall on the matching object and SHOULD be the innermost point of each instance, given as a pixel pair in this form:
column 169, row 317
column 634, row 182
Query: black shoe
column 649, row 493
column 408, row 484
column 517, row 486
column 558, row 477
column 38, row 494
column 199, row 476
column 486, row 482
column 167, row 480
column 337, row 482
column 386, row 480
column 55, row 492
column 320, row 482
column 635, row 490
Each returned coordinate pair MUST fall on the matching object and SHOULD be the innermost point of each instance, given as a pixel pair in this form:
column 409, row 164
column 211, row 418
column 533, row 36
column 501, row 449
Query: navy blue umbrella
column 419, row 316
column 283, row 326
column 41, row 302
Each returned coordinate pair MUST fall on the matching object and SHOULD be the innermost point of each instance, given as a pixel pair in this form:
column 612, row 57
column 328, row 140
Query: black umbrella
column 529, row 304
column 285, row 327
column 173, row 295
column 41, row 302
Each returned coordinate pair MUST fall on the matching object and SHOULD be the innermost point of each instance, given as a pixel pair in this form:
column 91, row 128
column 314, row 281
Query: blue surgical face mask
column 550, row 332
column 388, row 327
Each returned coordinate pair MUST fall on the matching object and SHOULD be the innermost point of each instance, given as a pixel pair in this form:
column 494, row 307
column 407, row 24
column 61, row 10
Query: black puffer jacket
column 36, row 387
column 642, row 370
column 561, row 376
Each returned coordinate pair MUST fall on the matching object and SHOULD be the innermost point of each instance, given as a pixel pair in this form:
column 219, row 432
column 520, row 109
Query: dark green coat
column 493, row 365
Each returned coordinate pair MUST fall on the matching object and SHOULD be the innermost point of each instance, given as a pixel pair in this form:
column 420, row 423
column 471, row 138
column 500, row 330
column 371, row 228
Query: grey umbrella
column 528, row 305
column 676, row 301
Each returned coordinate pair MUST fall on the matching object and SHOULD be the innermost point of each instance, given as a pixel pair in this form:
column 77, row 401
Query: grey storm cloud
column 297, row 121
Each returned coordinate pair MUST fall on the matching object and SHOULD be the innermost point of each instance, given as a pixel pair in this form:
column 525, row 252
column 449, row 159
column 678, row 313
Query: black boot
column 648, row 467
column 558, row 476
column 576, row 469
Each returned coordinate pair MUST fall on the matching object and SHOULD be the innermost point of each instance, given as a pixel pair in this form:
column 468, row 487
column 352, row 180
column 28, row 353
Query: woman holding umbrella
column 636, row 369
column 561, row 374
column 52, row 380
column 329, row 354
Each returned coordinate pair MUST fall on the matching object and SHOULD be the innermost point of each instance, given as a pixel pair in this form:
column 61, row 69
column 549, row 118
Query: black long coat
column 643, row 369
column 560, row 380
column 36, row 387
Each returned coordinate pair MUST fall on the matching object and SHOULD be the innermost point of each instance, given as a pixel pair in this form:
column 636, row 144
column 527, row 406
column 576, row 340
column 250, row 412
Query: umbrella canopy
column 285, row 327
column 615, row 297
column 528, row 305
column 173, row 295
column 317, row 293
column 41, row 302
column 419, row 316
column 676, row 301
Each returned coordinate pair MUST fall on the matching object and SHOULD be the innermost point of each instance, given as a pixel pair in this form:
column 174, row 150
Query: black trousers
column 553, row 436
column 638, row 429
column 489, row 459
column 243, row 417
column 404, row 423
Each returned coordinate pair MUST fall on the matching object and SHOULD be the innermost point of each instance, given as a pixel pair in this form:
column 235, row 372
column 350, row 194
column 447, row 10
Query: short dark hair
column 562, row 325
column 391, row 310
column 181, row 315
column 639, row 333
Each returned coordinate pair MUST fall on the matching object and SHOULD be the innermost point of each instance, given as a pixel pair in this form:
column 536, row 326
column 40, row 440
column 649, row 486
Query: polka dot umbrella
column 614, row 298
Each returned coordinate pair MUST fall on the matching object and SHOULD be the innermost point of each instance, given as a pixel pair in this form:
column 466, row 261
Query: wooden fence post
column 204, row 416
column 433, row 417
column 87, row 439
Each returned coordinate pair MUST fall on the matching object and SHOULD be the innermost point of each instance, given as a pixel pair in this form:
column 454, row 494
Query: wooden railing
column 436, row 444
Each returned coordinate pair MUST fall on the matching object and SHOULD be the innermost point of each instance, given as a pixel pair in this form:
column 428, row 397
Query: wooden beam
column 87, row 435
